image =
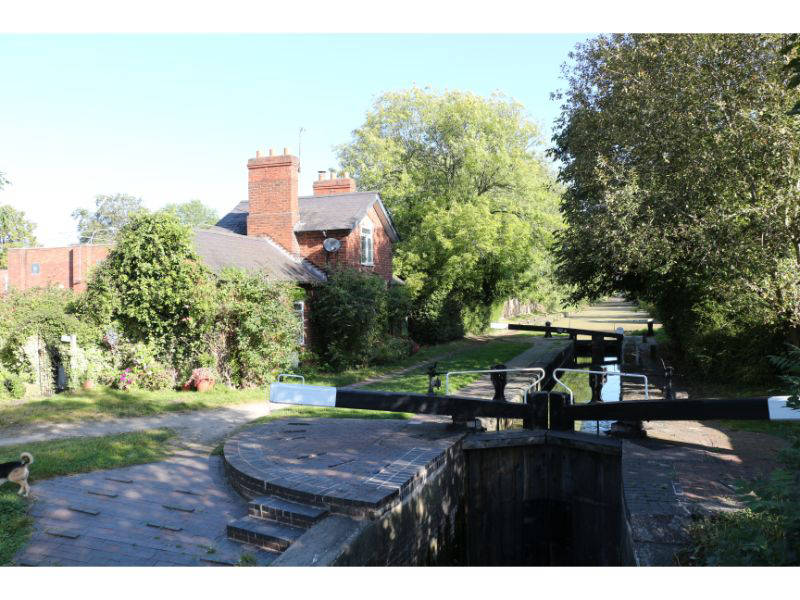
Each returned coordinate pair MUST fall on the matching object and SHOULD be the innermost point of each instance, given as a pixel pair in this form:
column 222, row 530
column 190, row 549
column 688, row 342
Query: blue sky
column 174, row 117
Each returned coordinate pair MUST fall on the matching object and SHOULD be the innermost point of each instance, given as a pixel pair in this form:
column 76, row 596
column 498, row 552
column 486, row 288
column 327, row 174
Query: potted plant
column 202, row 380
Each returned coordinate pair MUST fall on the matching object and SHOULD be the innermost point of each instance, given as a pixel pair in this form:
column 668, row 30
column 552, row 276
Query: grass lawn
column 425, row 355
column 481, row 356
column 103, row 402
column 67, row 457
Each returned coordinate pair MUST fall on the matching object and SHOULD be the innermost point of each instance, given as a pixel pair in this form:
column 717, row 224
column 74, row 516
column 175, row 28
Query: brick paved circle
column 352, row 466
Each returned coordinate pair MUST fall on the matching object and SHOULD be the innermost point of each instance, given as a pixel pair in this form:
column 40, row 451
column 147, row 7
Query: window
column 35, row 268
column 300, row 310
column 366, row 243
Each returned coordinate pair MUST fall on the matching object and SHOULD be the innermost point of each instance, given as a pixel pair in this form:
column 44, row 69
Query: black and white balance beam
column 773, row 408
column 457, row 406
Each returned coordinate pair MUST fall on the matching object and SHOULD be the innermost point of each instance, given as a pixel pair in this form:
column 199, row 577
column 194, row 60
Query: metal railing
column 528, row 369
column 606, row 373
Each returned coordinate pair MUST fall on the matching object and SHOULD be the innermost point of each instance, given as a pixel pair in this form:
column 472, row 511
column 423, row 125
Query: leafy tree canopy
column 111, row 214
column 15, row 231
column 154, row 286
column 193, row 213
column 682, row 168
column 792, row 52
column 472, row 200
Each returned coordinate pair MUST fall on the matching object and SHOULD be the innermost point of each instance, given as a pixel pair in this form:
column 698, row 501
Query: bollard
column 547, row 333
column 669, row 393
column 596, row 383
column 538, row 403
column 649, row 327
column 433, row 379
column 499, row 381
column 559, row 421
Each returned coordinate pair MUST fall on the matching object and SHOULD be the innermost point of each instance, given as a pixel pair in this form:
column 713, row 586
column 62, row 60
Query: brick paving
column 356, row 466
column 162, row 514
column 683, row 468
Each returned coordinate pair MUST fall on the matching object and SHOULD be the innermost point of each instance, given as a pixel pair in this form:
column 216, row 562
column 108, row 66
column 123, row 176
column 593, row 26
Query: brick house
column 275, row 230
column 67, row 267
column 282, row 233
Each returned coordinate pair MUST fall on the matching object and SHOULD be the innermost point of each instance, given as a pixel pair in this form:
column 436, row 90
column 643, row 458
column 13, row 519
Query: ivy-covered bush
column 154, row 287
column 31, row 325
column 255, row 332
column 348, row 317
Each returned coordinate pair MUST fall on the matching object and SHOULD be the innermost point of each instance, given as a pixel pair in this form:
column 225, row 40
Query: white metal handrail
column 300, row 377
column 530, row 369
column 556, row 371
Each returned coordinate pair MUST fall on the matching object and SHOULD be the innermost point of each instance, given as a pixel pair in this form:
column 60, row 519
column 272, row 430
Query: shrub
column 11, row 385
column 432, row 324
column 255, row 331
column 390, row 350
column 399, row 302
column 46, row 313
column 348, row 317
column 153, row 284
column 140, row 368
column 99, row 366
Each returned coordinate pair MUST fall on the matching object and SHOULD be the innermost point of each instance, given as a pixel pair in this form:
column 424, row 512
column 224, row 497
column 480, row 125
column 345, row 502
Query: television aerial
column 331, row 244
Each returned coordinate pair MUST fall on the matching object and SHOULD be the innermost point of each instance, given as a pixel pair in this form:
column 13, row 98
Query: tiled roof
column 220, row 248
column 320, row 213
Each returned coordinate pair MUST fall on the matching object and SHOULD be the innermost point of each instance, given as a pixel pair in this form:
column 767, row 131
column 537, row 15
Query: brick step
column 269, row 535
column 285, row 511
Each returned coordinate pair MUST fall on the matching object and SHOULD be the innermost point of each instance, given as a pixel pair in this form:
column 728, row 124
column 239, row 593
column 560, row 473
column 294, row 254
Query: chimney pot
column 270, row 151
column 285, row 151
column 258, row 153
column 320, row 175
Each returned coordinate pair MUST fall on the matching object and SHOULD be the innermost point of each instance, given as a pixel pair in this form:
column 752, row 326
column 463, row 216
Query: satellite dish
column 331, row 244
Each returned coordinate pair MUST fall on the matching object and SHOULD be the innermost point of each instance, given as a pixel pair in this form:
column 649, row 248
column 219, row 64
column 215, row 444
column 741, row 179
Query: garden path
column 199, row 427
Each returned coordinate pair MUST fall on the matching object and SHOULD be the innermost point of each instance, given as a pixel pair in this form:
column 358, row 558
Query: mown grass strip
column 481, row 357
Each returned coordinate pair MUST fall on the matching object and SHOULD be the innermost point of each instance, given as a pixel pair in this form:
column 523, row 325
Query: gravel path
column 199, row 427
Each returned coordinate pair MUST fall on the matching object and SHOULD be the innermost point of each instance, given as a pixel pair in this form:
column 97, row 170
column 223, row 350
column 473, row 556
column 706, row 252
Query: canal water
column 611, row 392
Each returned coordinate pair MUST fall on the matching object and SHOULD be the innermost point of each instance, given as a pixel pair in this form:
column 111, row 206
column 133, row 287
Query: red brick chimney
column 334, row 185
column 272, row 193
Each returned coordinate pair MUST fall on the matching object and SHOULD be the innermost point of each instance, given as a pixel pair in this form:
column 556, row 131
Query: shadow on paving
column 160, row 514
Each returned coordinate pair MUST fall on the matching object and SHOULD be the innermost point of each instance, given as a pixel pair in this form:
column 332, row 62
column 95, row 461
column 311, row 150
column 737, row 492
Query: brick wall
column 272, row 192
column 66, row 267
column 349, row 254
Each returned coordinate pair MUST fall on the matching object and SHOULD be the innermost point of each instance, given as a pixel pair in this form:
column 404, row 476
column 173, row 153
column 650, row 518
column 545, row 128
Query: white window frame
column 300, row 311
column 367, row 233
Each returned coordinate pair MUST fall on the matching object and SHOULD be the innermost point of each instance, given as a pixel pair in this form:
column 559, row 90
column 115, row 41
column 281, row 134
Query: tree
column 681, row 168
column 111, row 214
column 255, row 331
column 472, row 201
column 154, row 286
column 15, row 231
column 792, row 52
column 193, row 213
